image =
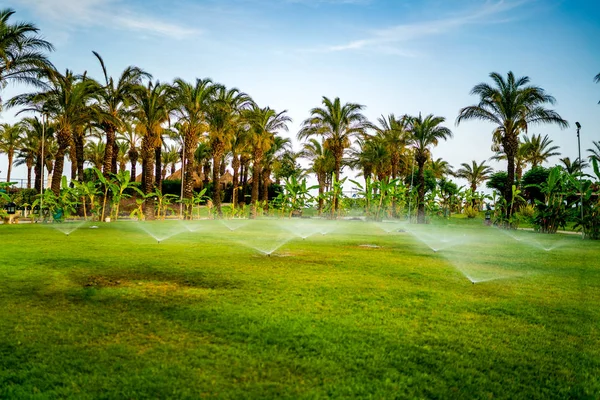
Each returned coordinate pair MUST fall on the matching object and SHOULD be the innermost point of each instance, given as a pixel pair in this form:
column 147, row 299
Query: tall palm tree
column 65, row 99
column 122, row 155
column 238, row 146
column 34, row 132
column 424, row 133
column 94, row 153
column 203, row 156
column 595, row 152
column 475, row 174
column 393, row 133
column 321, row 164
column 114, row 99
column 440, row 168
column 263, row 124
column 132, row 139
column 170, row 158
column 372, row 157
column 223, row 118
column 512, row 106
column 22, row 55
column 192, row 103
column 271, row 161
column 538, row 150
column 27, row 151
column 573, row 167
column 10, row 140
column 337, row 124
column 151, row 108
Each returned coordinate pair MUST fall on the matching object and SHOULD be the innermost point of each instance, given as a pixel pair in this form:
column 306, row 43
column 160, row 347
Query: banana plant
column 87, row 191
column 295, row 195
column 121, row 182
column 107, row 186
column 163, row 201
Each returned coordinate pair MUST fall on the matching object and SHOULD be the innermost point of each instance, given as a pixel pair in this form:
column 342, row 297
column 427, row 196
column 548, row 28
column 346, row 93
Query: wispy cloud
column 383, row 40
column 117, row 14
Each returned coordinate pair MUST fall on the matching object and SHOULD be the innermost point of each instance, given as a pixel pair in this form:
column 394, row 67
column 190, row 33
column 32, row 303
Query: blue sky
column 392, row 56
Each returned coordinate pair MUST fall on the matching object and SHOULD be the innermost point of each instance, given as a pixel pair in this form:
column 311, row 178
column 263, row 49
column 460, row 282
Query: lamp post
column 43, row 165
column 578, row 125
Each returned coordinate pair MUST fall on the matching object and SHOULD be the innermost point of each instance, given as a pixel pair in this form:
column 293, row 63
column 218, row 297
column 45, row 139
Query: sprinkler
column 268, row 254
column 158, row 241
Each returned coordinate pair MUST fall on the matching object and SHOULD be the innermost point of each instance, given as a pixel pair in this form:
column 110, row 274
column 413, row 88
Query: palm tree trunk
column 108, row 150
column 158, row 167
column 321, row 179
column 73, row 157
column 337, row 167
column 10, row 163
column 265, row 174
column 511, row 146
column 235, row 165
column 133, row 157
column 148, row 177
column 115, row 156
column 29, row 166
column 79, row 157
column 246, row 166
column 395, row 158
column 59, row 163
column 421, row 192
column 216, row 178
column 39, row 169
column 255, row 182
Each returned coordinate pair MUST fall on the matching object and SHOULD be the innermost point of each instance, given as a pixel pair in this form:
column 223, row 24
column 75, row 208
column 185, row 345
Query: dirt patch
column 98, row 281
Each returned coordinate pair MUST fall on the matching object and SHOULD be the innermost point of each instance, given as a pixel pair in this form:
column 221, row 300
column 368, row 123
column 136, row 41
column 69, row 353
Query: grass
column 109, row 313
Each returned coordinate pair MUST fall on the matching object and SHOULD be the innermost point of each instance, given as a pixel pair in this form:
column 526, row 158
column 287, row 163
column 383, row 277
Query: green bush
column 471, row 212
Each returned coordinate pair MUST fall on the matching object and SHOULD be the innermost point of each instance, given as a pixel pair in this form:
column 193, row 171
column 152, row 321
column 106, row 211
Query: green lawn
column 358, row 312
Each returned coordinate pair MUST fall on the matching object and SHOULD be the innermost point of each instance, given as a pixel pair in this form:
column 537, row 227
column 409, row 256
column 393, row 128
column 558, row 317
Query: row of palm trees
column 210, row 121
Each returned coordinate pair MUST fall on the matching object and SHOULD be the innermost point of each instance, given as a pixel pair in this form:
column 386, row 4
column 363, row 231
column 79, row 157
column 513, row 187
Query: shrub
column 471, row 212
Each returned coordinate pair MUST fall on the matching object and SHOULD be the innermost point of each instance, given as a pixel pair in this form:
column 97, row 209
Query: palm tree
column 114, row 100
column 65, row 99
column 424, row 133
column 202, row 156
column 170, row 158
column 372, row 157
column 152, row 106
column 94, row 153
column 337, row 124
column 573, row 167
column 10, row 140
column 475, row 174
column 393, row 133
column 132, row 139
column 321, row 164
column 538, row 150
column 192, row 102
column 34, row 131
column 223, row 118
column 263, row 125
column 440, row 168
column 123, row 155
column 21, row 52
column 595, row 153
column 512, row 106
column 238, row 146
column 27, row 151
column 271, row 160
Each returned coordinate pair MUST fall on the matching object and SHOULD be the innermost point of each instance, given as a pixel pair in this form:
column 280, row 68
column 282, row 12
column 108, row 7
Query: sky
column 392, row 56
